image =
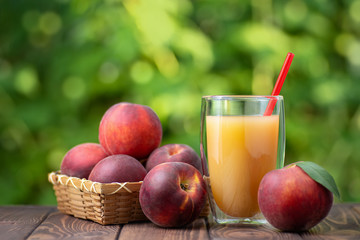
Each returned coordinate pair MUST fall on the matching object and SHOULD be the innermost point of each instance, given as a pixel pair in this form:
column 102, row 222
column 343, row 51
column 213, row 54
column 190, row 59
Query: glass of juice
column 239, row 145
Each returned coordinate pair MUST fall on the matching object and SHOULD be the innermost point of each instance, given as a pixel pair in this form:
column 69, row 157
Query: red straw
column 279, row 83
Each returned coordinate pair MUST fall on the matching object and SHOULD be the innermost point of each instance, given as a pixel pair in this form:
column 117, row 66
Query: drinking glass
column 239, row 145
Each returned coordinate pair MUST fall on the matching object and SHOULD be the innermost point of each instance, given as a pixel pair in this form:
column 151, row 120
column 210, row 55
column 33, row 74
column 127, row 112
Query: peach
column 172, row 194
column 291, row 200
column 130, row 129
column 79, row 160
column 174, row 153
column 118, row 168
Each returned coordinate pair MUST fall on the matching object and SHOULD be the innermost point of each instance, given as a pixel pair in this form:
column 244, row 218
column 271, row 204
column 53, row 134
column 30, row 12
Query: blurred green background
column 63, row 63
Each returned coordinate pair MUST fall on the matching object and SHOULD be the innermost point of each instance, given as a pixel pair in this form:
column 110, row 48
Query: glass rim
column 241, row 97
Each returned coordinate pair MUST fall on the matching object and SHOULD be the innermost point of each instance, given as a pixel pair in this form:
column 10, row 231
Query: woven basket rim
column 85, row 185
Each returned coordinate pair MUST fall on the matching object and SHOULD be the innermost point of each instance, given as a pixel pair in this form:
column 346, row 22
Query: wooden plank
column 356, row 208
column 247, row 231
column 343, row 222
column 36, row 222
column 60, row 226
column 149, row 231
column 17, row 222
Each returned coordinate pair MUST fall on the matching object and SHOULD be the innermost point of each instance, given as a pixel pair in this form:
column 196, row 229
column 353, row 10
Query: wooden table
column 46, row 222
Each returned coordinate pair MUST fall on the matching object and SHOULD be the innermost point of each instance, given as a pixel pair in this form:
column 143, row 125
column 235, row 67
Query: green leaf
column 320, row 175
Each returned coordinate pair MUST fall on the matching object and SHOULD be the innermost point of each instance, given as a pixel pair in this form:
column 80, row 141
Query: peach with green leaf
column 296, row 197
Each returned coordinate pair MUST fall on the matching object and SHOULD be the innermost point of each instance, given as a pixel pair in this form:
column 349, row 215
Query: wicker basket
column 104, row 203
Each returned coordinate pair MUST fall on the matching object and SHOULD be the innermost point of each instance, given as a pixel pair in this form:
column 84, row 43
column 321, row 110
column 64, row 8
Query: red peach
column 79, row 160
column 118, row 168
column 130, row 129
column 172, row 194
column 174, row 153
column 291, row 200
